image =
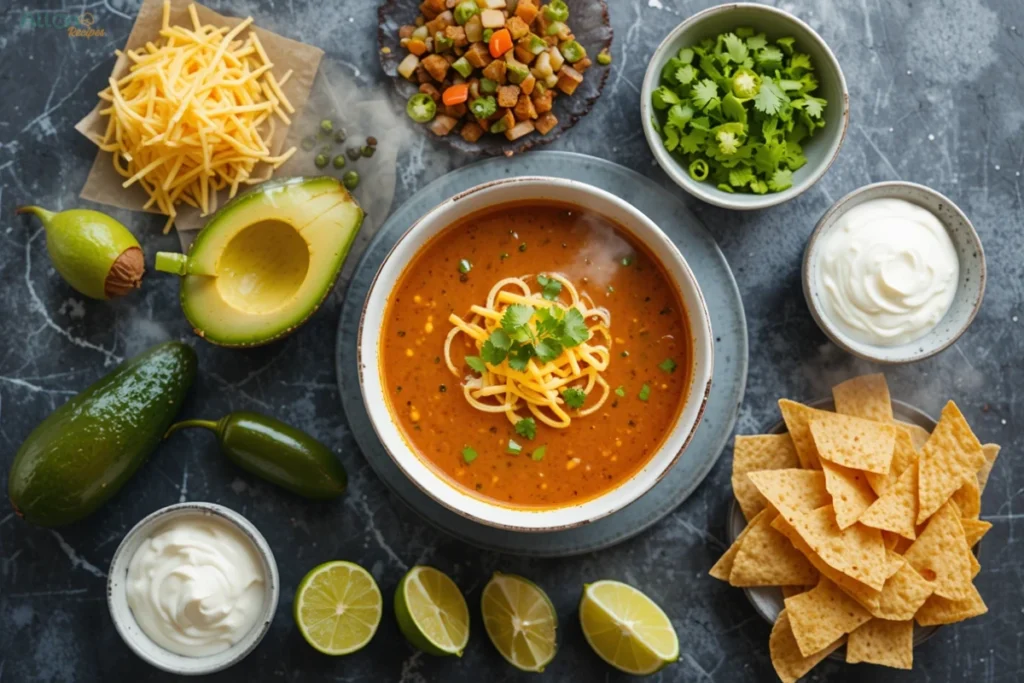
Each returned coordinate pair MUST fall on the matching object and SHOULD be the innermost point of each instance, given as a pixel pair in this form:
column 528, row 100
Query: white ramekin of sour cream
column 193, row 588
column 894, row 272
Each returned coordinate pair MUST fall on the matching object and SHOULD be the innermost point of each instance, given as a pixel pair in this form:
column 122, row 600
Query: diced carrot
column 526, row 10
column 501, row 42
column 416, row 46
column 545, row 122
column 456, row 94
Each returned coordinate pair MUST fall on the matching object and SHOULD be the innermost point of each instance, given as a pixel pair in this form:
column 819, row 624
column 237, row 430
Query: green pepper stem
column 187, row 424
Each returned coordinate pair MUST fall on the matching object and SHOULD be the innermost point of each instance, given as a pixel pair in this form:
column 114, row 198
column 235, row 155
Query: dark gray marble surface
column 936, row 89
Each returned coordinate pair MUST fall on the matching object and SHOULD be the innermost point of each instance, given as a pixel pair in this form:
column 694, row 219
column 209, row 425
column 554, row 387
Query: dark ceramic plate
column 588, row 20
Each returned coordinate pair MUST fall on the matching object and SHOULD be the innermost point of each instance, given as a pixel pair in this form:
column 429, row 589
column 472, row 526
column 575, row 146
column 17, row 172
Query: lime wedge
column 626, row 628
column 338, row 607
column 431, row 612
column 520, row 621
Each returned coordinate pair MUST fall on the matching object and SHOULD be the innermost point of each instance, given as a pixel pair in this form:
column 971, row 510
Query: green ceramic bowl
column 821, row 149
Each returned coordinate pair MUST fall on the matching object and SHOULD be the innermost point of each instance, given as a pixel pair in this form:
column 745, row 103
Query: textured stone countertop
column 936, row 88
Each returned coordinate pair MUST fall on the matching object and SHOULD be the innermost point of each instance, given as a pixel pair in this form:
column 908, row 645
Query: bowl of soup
column 535, row 354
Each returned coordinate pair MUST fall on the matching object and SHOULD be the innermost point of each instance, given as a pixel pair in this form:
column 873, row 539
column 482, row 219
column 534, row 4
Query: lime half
column 338, row 607
column 520, row 620
column 626, row 628
column 431, row 612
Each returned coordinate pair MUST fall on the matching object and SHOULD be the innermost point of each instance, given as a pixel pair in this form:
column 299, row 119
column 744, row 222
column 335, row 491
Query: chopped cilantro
column 468, row 454
column 551, row 287
column 645, row 392
column 527, row 332
column 538, row 454
column 514, row 448
column 620, row 392
column 574, row 397
column 735, row 110
column 476, row 363
column 627, row 260
column 668, row 365
column 527, row 428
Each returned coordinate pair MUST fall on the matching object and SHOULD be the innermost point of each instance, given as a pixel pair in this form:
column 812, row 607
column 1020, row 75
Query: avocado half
column 266, row 260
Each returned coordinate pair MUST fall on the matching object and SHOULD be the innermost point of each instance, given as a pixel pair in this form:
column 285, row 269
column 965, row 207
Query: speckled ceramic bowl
column 821, row 149
column 970, row 288
column 133, row 635
column 420, row 471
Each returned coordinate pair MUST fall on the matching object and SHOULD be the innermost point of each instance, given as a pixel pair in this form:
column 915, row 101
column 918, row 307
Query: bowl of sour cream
column 192, row 588
column 894, row 272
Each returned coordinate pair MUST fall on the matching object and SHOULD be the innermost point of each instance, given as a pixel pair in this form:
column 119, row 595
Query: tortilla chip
column 798, row 418
column 767, row 558
column 975, row 564
column 851, row 494
column 896, row 511
column 869, row 598
column 866, row 396
column 889, row 643
column 790, row 664
column 790, row 591
column 856, row 551
column 918, row 435
column 974, row 529
column 755, row 453
column 889, row 539
column 792, row 490
column 723, row 567
column 822, row 615
column 952, row 453
column 938, row 610
column 940, row 555
column 903, row 456
column 853, row 442
column 903, row 594
column 968, row 498
column 991, row 451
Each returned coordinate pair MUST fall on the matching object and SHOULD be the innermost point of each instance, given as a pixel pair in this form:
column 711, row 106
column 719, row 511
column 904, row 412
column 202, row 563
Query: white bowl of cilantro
column 744, row 106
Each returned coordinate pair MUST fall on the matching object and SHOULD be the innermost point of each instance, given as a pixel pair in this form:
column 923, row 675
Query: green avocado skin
column 85, row 451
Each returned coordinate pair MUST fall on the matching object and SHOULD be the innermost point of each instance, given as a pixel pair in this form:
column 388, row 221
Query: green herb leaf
column 548, row 349
column 705, row 94
column 770, row 97
column 620, row 391
column 520, row 356
column 515, row 317
column 574, row 397
column 527, row 428
column 781, row 180
column 538, row 454
column 575, row 330
column 645, row 392
column 513, row 448
column 496, row 348
column 735, row 47
column 476, row 363
column 668, row 365
column 551, row 287
column 468, row 454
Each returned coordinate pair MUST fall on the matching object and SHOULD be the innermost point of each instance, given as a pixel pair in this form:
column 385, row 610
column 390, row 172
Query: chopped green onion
column 483, row 107
column 514, row 448
column 668, row 365
column 538, row 454
column 465, row 266
column 699, row 169
column 468, row 454
column 627, row 261
column 645, row 392
column 620, row 391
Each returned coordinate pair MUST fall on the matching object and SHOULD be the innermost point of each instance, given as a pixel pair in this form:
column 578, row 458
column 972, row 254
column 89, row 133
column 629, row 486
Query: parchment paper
column 104, row 183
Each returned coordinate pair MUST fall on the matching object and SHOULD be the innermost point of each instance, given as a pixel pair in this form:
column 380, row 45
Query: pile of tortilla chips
column 866, row 523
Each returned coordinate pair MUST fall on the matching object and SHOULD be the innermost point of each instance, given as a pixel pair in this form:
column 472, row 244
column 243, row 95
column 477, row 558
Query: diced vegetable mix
column 735, row 110
column 491, row 65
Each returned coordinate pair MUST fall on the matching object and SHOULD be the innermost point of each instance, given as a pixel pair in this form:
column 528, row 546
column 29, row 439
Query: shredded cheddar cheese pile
column 194, row 115
column 535, row 351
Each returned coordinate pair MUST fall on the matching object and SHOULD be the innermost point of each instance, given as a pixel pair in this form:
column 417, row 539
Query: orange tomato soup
column 649, row 372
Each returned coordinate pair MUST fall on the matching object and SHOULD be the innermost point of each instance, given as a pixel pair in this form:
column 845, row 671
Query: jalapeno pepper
column 421, row 108
column 556, row 10
column 276, row 452
column 572, row 51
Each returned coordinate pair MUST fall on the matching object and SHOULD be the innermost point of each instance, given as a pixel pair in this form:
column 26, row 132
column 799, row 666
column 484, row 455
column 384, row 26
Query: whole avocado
column 83, row 453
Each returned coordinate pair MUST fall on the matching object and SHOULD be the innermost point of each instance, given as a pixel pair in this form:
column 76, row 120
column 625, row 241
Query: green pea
column 321, row 160
column 339, row 136
column 339, row 161
column 327, row 126
column 354, row 153
column 367, row 151
column 350, row 180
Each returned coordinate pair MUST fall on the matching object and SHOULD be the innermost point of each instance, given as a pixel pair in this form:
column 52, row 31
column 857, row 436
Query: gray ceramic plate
column 767, row 600
column 727, row 320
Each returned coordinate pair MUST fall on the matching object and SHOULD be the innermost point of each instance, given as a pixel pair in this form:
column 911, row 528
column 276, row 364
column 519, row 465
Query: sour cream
column 888, row 272
column 196, row 587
